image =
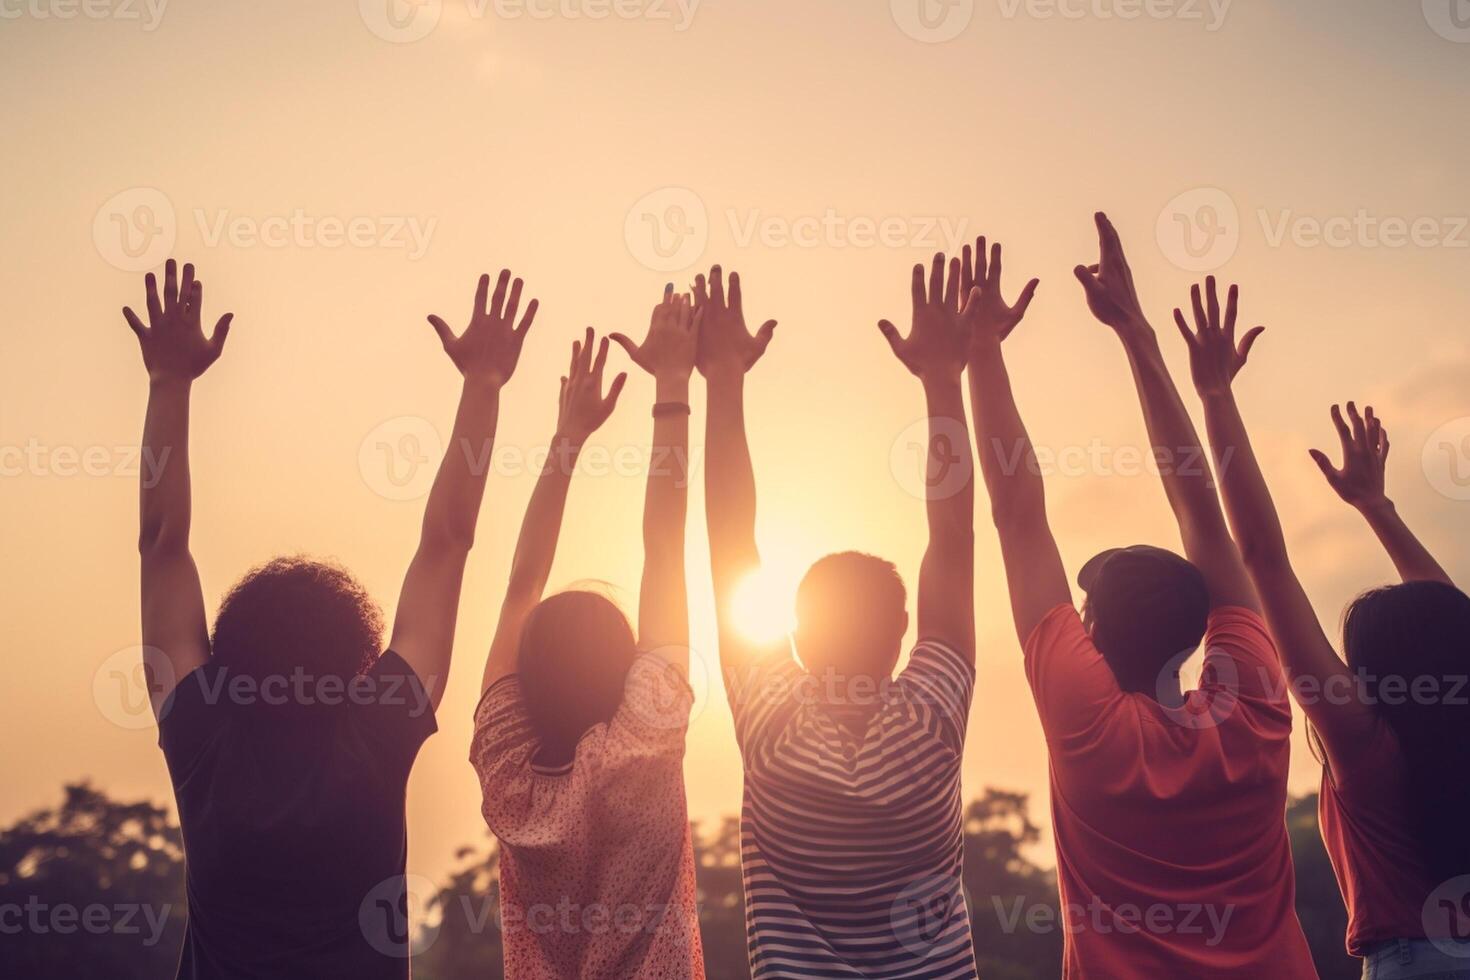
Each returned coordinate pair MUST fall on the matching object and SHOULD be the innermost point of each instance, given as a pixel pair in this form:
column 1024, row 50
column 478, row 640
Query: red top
column 1366, row 827
column 1172, row 853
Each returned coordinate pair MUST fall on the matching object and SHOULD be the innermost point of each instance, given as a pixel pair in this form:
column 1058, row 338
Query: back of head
column 293, row 622
column 851, row 616
column 1146, row 609
column 575, row 652
column 1409, row 645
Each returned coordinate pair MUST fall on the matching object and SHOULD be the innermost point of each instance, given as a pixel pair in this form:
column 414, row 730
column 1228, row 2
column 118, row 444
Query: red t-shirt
column 1172, row 853
column 1365, row 822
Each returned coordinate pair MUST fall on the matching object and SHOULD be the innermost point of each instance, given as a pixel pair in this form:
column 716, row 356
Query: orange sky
column 820, row 147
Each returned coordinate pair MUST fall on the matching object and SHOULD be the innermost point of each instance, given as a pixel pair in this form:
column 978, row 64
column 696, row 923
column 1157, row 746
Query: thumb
column 890, row 333
column 764, row 334
column 626, row 343
column 1249, row 341
column 446, row 336
column 1325, row 465
column 221, row 333
column 613, row 391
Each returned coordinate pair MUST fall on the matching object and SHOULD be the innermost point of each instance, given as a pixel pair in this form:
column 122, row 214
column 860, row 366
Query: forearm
column 1412, row 560
column 1007, row 458
column 1176, row 446
column 165, row 506
column 663, row 607
column 947, row 577
column 1248, row 503
column 729, row 482
column 536, row 546
column 459, row 487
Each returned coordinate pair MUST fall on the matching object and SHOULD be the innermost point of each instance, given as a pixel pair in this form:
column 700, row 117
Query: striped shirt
column 852, row 845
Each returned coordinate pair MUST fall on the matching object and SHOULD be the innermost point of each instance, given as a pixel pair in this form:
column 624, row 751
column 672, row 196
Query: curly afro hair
column 298, row 614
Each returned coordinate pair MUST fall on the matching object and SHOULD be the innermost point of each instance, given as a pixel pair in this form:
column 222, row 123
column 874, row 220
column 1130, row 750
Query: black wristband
column 661, row 409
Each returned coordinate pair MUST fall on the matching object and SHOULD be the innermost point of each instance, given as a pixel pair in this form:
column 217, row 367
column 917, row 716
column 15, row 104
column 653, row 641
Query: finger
column 170, row 284
column 1344, row 434
column 186, row 285
column 1088, row 278
column 982, row 254
column 737, row 298
column 992, row 276
column 221, row 333
column 497, row 302
column 446, row 335
column 1200, row 319
column 193, row 300
column 528, row 319
column 701, row 290
column 917, row 288
column 936, row 278
column 601, row 361
column 688, row 316
column 967, row 270
column 1360, row 433
column 1383, row 447
column 1325, row 465
column 482, row 297
column 155, row 308
column 952, row 288
column 134, row 323
column 1232, row 307
column 717, row 286
column 1106, row 236
column 668, row 292
column 513, row 304
column 891, row 334
column 584, row 363
column 572, row 371
column 1212, row 302
column 1247, row 342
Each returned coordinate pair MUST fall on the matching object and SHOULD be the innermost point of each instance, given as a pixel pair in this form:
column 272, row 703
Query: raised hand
column 937, row 345
column 173, row 343
column 986, row 313
column 671, row 347
column 583, row 405
column 1215, row 357
column 1109, row 284
column 1360, row 482
column 490, row 346
column 725, row 344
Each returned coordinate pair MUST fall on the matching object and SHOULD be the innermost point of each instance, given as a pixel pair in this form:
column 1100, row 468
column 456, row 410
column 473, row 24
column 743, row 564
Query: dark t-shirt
column 295, row 837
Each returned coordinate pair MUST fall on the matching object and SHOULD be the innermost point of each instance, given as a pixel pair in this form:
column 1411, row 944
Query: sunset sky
column 339, row 170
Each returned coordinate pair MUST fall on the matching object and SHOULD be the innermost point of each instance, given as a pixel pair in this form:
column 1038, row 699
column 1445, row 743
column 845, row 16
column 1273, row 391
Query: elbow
column 158, row 536
column 1018, row 513
column 449, row 537
column 1259, row 557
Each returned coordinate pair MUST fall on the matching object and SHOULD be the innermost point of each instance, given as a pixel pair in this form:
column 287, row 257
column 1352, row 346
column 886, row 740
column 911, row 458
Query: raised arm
column 1360, row 484
column 428, row 605
column 934, row 352
column 727, row 350
column 1034, row 572
column 1187, row 479
column 1307, row 655
column 175, row 352
column 583, row 409
column 667, row 353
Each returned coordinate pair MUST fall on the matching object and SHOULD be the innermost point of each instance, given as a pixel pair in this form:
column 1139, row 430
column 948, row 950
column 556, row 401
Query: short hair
column 297, row 614
column 576, row 649
column 1146, row 609
column 851, row 604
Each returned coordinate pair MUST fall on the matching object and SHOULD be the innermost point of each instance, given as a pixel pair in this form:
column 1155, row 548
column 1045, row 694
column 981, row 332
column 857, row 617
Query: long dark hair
column 1418, row 634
